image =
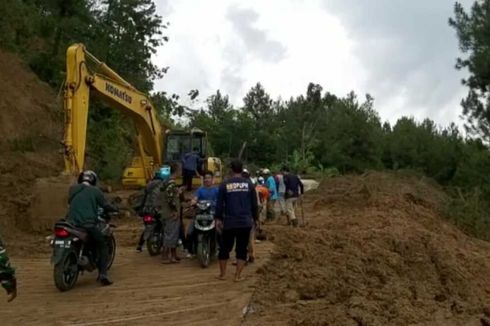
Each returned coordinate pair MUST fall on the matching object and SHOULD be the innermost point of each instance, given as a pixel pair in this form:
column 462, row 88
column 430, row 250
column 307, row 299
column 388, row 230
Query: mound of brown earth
column 376, row 251
column 31, row 125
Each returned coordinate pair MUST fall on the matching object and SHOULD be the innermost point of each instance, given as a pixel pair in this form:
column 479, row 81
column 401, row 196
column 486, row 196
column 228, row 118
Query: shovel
column 260, row 234
column 303, row 222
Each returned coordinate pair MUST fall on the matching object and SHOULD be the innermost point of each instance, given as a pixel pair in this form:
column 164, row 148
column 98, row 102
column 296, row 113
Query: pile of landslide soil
column 376, row 251
column 31, row 125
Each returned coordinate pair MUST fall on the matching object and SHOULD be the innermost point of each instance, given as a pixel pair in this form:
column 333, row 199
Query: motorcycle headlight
column 203, row 205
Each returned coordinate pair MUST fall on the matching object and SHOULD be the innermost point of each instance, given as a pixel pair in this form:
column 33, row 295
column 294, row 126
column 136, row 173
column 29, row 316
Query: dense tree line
column 319, row 133
column 319, row 130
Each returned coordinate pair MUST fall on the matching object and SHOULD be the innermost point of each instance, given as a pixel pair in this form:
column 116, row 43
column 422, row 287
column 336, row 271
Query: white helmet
column 266, row 171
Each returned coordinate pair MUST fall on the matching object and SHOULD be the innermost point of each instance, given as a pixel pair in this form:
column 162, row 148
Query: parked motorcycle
column 205, row 244
column 75, row 253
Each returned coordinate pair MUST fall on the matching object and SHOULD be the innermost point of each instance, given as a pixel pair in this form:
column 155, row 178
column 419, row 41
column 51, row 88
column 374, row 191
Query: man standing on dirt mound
column 270, row 182
column 84, row 199
column 236, row 213
column 294, row 189
column 7, row 274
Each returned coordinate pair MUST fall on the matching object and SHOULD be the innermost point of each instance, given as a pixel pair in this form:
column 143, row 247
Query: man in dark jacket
column 85, row 199
column 190, row 167
column 236, row 213
column 294, row 189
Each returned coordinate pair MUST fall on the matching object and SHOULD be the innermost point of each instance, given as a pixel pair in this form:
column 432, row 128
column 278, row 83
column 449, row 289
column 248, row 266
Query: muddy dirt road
column 144, row 292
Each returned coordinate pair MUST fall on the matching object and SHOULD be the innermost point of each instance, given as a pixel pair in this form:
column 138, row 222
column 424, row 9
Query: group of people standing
column 240, row 204
column 282, row 189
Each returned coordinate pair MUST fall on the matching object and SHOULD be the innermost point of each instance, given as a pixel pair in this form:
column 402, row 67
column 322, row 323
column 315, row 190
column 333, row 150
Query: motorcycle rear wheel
column 66, row 271
column 153, row 244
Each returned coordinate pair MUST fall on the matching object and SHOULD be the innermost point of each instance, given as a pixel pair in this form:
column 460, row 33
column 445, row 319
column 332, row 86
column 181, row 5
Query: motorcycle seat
column 76, row 231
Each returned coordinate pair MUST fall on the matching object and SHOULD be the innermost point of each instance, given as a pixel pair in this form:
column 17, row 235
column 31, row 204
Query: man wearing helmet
column 7, row 274
column 150, row 200
column 84, row 199
column 246, row 175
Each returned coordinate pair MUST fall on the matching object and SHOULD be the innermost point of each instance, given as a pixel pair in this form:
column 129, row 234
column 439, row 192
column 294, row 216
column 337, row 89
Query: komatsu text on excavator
column 157, row 144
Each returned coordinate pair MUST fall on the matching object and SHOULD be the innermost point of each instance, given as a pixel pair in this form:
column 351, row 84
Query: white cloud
column 402, row 52
column 409, row 52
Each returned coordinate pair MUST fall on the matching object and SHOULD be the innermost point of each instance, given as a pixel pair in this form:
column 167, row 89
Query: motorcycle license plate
column 62, row 243
column 204, row 217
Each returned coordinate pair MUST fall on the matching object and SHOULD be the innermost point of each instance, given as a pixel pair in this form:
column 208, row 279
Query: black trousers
column 238, row 237
column 100, row 242
column 141, row 242
column 187, row 176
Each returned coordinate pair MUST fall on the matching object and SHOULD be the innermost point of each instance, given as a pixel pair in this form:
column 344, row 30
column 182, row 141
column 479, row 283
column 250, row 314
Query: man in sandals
column 236, row 213
column 169, row 210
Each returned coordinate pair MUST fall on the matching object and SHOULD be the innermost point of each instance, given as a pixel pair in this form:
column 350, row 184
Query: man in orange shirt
column 263, row 194
column 262, row 197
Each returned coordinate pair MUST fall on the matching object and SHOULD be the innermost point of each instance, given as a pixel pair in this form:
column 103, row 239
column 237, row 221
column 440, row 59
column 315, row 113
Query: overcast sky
column 401, row 52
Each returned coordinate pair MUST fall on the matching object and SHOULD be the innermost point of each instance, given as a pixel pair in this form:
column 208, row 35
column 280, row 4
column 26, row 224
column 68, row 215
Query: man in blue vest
column 236, row 213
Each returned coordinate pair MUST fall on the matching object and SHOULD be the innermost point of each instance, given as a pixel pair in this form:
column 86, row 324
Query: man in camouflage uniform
column 7, row 274
column 150, row 203
column 169, row 208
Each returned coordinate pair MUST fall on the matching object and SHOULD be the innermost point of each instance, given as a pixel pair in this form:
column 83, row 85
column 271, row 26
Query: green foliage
column 122, row 33
column 129, row 35
column 472, row 29
column 471, row 212
column 299, row 164
column 18, row 24
column 108, row 138
column 351, row 135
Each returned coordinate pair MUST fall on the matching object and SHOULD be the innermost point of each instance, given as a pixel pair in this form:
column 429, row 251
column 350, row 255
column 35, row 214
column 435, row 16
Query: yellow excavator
column 157, row 144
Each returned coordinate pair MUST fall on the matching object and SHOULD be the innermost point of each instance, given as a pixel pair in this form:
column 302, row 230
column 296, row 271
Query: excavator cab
column 177, row 144
column 180, row 142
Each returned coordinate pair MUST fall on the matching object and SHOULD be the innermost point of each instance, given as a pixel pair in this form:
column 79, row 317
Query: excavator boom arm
column 116, row 93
